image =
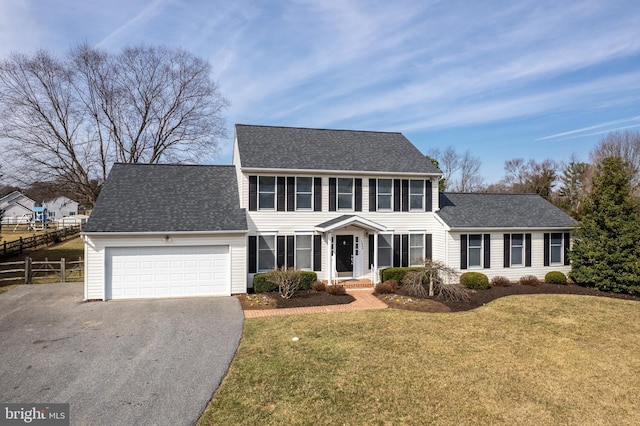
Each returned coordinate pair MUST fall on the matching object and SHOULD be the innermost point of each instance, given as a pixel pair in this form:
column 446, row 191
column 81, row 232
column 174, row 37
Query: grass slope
column 543, row 359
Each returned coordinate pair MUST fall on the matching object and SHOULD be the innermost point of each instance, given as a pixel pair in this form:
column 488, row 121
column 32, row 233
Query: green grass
column 535, row 359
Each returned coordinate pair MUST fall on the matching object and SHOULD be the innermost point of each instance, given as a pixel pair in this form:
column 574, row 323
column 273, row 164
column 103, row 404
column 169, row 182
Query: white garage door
column 144, row 272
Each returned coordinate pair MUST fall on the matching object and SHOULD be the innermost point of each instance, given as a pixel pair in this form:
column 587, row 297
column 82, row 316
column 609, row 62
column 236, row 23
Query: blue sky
column 532, row 79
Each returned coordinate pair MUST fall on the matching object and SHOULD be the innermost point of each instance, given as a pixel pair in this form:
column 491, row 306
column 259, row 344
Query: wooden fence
column 27, row 270
column 18, row 246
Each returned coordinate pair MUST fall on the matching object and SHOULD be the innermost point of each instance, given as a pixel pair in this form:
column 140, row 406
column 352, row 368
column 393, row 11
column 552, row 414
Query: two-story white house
column 342, row 203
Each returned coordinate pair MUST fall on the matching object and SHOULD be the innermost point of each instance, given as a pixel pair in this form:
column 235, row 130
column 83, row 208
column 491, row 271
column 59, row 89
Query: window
column 416, row 249
column 385, row 188
column 303, row 251
column 266, row 192
column 416, row 194
column 556, row 248
column 385, row 251
column 266, row 252
column 345, row 194
column 475, row 251
column 517, row 250
column 303, row 193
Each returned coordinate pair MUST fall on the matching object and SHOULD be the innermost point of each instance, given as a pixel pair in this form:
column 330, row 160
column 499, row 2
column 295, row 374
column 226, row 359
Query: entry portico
column 344, row 237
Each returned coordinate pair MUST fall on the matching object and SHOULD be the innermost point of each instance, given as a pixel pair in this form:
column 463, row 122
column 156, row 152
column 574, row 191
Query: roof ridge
column 320, row 128
column 174, row 165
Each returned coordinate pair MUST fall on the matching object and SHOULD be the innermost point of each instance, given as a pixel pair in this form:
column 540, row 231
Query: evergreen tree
column 606, row 254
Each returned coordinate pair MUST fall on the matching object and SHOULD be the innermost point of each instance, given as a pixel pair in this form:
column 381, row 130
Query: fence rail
column 18, row 246
column 62, row 270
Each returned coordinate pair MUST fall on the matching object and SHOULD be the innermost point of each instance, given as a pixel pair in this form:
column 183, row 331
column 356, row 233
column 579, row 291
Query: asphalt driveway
column 149, row 362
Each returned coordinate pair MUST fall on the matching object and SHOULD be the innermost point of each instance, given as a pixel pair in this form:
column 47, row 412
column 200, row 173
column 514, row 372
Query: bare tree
column 68, row 119
column 625, row 145
column 528, row 177
column 449, row 162
column 460, row 172
column 470, row 179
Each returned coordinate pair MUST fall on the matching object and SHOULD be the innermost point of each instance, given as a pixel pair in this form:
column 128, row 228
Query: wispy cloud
column 148, row 12
column 610, row 125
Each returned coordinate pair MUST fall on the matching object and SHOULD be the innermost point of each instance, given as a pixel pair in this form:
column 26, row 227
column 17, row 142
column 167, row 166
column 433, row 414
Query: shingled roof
column 168, row 198
column 322, row 149
column 486, row 210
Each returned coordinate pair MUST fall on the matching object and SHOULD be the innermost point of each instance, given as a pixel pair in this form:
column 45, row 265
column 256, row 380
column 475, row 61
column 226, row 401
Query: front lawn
column 535, row 359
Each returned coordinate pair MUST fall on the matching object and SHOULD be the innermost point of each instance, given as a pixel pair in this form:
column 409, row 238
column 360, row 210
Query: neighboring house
column 342, row 203
column 16, row 205
column 60, row 207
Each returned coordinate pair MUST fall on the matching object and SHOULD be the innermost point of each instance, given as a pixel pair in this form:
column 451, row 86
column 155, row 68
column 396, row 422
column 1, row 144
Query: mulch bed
column 481, row 297
column 301, row 299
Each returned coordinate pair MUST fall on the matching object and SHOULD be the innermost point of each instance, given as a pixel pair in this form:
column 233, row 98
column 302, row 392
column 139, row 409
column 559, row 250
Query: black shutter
column 280, row 251
column 253, row 193
column 371, row 246
column 463, row 251
column 253, row 248
column 396, row 250
column 487, row 251
column 527, row 248
column 372, row 195
column 332, row 194
column 405, row 250
column 547, row 248
column 428, row 195
column 396, row 195
column 405, row 195
column 280, row 194
column 317, row 194
column 428, row 247
column 358, row 193
column 507, row 250
column 291, row 193
column 317, row 253
column 567, row 245
column 291, row 248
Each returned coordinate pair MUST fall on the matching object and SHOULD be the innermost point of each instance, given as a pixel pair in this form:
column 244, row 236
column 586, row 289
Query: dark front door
column 344, row 253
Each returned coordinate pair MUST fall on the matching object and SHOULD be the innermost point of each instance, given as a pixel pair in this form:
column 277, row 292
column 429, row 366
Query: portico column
column 329, row 259
column 376, row 277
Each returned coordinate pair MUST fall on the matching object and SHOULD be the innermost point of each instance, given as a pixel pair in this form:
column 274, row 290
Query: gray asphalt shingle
column 168, row 198
column 322, row 149
column 485, row 210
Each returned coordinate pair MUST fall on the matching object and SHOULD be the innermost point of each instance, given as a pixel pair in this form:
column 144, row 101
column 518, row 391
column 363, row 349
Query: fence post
column 63, row 272
column 27, row 270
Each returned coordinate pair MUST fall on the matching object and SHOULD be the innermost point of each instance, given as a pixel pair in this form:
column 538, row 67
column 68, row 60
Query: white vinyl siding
column 266, row 192
column 385, row 194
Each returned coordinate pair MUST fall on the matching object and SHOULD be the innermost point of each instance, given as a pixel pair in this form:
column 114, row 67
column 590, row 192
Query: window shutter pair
column 507, row 250
column 357, row 192
column 566, row 247
column 280, row 252
column 464, row 245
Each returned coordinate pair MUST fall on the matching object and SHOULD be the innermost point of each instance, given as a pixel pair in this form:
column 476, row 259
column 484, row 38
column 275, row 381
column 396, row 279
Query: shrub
column 336, row 290
column 307, row 279
column 529, row 280
column 396, row 274
column 262, row 285
column 386, row 287
column 475, row 280
column 287, row 280
column 318, row 286
column 555, row 277
column 500, row 281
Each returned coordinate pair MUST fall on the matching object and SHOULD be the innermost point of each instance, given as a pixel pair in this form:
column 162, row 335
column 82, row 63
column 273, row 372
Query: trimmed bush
column 500, row 282
column 318, row 286
column 261, row 285
column 555, row 277
column 475, row 280
column 529, row 280
column 336, row 290
column 386, row 287
column 397, row 274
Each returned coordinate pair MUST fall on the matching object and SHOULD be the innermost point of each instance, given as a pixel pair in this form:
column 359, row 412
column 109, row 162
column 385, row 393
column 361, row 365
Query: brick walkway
column 365, row 300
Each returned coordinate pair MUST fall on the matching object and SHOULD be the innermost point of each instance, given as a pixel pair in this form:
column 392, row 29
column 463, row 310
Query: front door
column 344, row 254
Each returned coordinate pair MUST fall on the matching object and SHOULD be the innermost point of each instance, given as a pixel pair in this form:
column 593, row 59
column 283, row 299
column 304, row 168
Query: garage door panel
column 135, row 272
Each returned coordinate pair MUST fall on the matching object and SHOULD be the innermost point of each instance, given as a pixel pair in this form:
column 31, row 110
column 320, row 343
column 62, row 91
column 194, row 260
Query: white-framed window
column 517, row 249
column 385, row 251
column 416, row 249
column 304, row 193
column 385, row 194
column 303, row 251
column 266, row 252
column 345, row 193
column 556, row 249
column 266, row 192
column 416, row 194
column 474, row 251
